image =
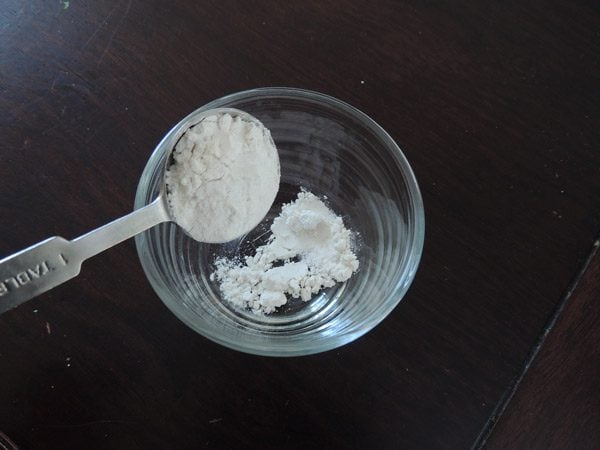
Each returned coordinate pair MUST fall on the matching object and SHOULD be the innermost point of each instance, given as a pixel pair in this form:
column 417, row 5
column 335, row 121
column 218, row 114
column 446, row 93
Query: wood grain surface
column 496, row 106
column 557, row 404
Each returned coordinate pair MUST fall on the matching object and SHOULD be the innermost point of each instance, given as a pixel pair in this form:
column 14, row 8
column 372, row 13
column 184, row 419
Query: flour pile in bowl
column 309, row 249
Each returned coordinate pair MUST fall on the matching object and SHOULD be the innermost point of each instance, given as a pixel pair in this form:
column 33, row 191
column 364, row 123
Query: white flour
column 224, row 178
column 314, row 246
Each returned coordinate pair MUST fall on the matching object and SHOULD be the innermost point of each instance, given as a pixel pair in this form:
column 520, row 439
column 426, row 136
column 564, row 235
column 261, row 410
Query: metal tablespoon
column 49, row 263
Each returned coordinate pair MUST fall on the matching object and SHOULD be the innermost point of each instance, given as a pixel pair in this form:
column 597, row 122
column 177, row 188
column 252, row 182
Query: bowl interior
column 337, row 153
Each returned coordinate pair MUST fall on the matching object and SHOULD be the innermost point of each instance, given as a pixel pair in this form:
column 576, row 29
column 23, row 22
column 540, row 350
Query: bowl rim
column 414, row 194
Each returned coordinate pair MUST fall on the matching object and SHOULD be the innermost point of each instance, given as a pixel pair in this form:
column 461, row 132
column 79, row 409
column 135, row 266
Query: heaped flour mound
column 224, row 178
column 312, row 243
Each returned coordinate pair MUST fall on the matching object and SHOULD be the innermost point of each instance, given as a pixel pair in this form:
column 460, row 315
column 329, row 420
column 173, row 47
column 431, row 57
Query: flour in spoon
column 314, row 247
column 224, row 178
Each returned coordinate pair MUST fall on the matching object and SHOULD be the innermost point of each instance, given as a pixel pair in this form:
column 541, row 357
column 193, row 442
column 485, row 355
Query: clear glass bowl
column 332, row 150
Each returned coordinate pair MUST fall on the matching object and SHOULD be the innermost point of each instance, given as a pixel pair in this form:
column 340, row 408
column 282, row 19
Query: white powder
column 224, row 178
column 314, row 246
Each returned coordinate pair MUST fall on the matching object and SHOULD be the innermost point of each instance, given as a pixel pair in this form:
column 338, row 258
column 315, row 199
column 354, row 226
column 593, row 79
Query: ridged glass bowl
column 335, row 151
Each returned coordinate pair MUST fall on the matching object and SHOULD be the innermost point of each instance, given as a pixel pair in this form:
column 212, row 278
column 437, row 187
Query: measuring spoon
column 42, row 266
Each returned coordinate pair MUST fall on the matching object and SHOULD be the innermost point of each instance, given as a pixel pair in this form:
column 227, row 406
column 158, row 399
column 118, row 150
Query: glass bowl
column 335, row 151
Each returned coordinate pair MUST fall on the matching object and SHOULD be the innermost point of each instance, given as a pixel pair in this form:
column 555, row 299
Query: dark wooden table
column 496, row 106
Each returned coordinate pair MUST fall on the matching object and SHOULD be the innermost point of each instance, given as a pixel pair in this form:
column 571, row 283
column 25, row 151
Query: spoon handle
column 49, row 263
